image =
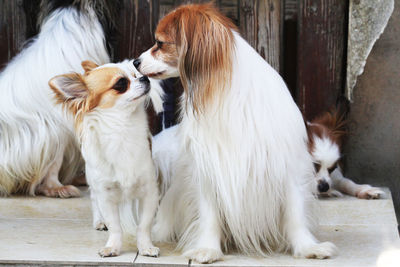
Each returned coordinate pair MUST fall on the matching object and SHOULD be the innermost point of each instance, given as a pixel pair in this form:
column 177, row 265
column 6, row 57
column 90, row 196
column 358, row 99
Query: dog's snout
column 144, row 79
column 323, row 186
column 137, row 62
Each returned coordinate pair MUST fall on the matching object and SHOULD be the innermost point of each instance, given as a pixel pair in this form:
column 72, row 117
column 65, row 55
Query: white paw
column 150, row 252
column 369, row 192
column 204, row 255
column 109, row 252
column 100, row 226
column 323, row 250
column 66, row 191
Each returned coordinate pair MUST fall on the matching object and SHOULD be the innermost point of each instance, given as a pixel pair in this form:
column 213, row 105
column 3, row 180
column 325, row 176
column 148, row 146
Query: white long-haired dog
column 108, row 104
column 242, row 171
column 35, row 137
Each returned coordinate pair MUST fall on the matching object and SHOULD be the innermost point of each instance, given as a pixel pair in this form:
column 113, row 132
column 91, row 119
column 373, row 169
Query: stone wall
column 372, row 154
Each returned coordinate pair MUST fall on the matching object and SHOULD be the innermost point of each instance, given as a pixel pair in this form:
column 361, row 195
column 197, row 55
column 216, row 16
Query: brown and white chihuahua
column 108, row 104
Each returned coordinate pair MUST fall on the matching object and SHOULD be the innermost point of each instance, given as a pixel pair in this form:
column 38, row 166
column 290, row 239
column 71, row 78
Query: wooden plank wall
column 314, row 38
column 12, row 29
column 260, row 23
column 321, row 49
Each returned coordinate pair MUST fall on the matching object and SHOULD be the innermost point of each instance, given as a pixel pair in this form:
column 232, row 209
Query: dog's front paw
column 204, row 255
column 150, row 252
column 369, row 192
column 323, row 250
column 109, row 252
column 100, row 226
column 65, row 191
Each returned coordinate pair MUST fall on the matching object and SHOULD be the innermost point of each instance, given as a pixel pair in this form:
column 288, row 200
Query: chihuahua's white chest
column 117, row 152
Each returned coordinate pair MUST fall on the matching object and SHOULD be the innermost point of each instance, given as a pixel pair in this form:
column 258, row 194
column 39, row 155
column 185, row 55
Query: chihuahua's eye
column 121, row 85
column 317, row 166
column 159, row 44
column 331, row 169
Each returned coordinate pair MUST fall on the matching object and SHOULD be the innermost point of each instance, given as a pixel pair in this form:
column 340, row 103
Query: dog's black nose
column 144, row 79
column 137, row 62
column 323, row 186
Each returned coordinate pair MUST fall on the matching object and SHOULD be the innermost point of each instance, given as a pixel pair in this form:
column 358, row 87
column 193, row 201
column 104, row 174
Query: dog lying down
column 326, row 134
column 108, row 103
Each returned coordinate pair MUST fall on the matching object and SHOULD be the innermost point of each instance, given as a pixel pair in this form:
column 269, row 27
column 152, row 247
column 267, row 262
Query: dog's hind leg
column 98, row 221
column 51, row 186
column 302, row 242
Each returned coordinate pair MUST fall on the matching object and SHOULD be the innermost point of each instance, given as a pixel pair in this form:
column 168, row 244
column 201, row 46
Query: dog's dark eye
column 331, row 169
column 159, row 44
column 317, row 167
column 121, row 85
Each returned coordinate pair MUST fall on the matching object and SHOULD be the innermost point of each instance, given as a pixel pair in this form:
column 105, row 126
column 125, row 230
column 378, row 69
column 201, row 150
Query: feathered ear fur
column 205, row 44
column 70, row 90
column 334, row 121
column 88, row 65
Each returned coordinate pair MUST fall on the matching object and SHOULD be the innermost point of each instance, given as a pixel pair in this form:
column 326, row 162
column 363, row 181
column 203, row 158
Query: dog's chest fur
column 115, row 146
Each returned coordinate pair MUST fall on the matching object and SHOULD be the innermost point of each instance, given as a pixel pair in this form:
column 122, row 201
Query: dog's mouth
column 155, row 74
column 145, row 92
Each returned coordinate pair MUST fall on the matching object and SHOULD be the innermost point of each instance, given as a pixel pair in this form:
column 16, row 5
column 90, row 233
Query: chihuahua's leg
column 108, row 204
column 51, row 185
column 98, row 221
column 347, row 186
column 149, row 208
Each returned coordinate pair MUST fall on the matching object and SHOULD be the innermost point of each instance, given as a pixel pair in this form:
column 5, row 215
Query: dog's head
column 326, row 136
column 110, row 86
column 325, row 154
column 194, row 42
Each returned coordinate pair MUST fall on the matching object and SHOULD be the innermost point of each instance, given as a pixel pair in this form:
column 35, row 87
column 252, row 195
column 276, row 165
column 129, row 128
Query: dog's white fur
column 242, row 171
column 119, row 166
column 326, row 153
column 35, row 137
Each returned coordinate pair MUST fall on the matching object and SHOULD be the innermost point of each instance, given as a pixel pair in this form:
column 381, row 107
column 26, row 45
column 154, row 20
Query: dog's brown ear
column 205, row 62
column 70, row 90
column 88, row 65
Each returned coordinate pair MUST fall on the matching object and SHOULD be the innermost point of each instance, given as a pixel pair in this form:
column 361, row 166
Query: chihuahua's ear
column 69, row 87
column 88, row 65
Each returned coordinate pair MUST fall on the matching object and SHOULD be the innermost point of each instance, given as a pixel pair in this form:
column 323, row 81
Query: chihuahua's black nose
column 144, row 79
column 323, row 186
column 137, row 62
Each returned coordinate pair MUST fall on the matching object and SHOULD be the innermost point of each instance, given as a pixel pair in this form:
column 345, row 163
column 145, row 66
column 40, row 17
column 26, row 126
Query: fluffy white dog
column 241, row 170
column 35, row 136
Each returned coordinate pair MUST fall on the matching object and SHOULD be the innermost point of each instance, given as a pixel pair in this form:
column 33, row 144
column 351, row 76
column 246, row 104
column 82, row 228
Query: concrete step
column 39, row 230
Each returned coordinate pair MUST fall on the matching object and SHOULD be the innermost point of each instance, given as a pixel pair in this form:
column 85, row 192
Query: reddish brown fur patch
column 167, row 53
column 204, row 46
column 99, row 83
column 331, row 124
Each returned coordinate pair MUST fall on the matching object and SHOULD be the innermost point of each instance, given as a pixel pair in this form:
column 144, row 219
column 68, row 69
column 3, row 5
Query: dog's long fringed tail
column 129, row 216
